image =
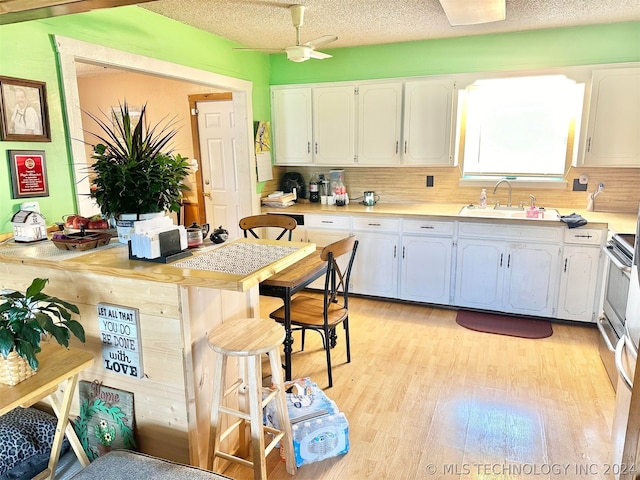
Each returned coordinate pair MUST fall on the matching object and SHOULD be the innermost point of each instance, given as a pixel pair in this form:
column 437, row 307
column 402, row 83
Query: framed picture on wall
column 23, row 110
column 28, row 174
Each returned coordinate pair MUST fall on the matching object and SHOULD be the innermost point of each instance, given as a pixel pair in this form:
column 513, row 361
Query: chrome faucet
column 508, row 183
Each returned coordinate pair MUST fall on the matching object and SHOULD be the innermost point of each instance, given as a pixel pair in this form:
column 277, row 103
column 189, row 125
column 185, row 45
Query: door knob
column 207, row 194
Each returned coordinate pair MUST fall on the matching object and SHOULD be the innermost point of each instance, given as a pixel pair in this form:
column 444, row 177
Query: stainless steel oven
column 619, row 253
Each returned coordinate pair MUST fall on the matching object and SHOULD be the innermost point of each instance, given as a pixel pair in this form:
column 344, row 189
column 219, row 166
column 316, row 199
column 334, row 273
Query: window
column 520, row 127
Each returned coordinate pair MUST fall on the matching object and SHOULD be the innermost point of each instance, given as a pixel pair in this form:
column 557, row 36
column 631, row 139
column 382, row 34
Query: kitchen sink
column 473, row 211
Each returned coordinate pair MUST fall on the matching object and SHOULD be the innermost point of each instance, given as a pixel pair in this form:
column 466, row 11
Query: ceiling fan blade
column 465, row 12
column 321, row 41
column 319, row 55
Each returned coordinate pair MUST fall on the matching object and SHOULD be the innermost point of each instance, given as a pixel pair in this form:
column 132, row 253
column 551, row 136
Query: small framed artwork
column 23, row 111
column 28, row 173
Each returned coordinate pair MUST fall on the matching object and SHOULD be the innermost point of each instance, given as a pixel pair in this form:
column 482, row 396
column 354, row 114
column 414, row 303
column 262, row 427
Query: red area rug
column 512, row 325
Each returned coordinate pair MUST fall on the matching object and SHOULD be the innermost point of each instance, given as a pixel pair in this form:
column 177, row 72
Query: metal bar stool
column 250, row 338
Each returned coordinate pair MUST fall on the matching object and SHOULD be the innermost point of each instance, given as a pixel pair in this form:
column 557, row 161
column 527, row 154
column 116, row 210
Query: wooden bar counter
column 177, row 308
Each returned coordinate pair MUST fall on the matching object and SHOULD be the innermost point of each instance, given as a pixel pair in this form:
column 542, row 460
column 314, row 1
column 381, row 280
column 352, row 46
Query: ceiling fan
column 300, row 52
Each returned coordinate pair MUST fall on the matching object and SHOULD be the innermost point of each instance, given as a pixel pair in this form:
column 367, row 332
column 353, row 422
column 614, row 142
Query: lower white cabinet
column 323, row 230
column 375, row 271
column 425, row 261
column 511, row 277
column 580, row 275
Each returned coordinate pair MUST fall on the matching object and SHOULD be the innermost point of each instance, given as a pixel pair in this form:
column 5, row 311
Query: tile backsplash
column 408, row 185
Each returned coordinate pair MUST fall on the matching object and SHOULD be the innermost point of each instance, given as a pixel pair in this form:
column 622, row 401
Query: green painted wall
column 26, row 51
column 609, row 43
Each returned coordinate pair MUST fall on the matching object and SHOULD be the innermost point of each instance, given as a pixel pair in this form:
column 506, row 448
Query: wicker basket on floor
column 14, row 369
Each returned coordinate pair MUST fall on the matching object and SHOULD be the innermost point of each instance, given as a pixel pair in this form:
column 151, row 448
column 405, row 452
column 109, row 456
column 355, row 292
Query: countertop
column 616, row 222
column 113, row 260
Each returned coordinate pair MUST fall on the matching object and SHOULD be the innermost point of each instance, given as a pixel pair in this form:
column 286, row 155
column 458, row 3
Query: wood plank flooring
column 428, row 399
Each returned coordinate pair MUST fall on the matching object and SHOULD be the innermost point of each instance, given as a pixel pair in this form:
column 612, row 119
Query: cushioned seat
column 127, row 465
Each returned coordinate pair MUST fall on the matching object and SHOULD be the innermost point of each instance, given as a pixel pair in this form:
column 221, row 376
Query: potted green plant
column 25, row 317
column 135, row 171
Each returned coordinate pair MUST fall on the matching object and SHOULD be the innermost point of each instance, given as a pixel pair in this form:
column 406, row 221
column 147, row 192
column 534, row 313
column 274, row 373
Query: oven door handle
column 620, row 367
column 616, row 262
column 605, row 337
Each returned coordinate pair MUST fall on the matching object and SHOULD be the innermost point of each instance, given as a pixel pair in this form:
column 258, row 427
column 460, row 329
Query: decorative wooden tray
column 77, row 241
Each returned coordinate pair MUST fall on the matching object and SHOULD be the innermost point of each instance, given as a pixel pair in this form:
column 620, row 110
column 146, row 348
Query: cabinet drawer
column 376, row 224
column 504, row 231
column 584, row 236
column 328, row 221
column 427, row 227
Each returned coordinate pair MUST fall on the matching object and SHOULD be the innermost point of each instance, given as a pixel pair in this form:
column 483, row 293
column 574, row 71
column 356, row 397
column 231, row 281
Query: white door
column 426, row 269
column 219, row 164
column 379, row 123
column 375, row 270
column 334, row 121
column 292, row 129
column 578, row 279
column 531, row 272
column 480, row 273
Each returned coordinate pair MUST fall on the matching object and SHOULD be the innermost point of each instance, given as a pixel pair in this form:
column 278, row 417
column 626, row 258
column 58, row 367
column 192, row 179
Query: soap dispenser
column 483, row 198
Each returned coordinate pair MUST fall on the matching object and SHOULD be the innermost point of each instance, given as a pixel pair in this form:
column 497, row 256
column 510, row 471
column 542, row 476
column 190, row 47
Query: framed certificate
column 28, row 173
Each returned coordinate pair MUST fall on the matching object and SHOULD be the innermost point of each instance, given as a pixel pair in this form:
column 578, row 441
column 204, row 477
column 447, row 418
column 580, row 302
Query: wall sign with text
column 28, row 173
column 120, row 336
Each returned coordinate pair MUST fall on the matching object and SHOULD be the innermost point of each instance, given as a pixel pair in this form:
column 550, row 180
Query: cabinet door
column 531, row 279
column 479, row 273
column 322, row 238
column 614, row 119
column 428, row 110
column 291, row 113
column 334, row 125
column 379, row 119
column 580, row 271
column 375, row 269
column 425, row 269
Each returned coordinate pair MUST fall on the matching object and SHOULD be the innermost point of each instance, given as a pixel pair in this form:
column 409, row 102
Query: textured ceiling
column 267, row 23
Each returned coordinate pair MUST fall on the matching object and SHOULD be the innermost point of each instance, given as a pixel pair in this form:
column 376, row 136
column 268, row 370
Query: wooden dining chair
column 324, row 314
column 284, row 222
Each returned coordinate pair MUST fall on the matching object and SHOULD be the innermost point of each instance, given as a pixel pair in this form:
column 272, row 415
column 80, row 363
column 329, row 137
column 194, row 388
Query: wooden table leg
column 61, row 409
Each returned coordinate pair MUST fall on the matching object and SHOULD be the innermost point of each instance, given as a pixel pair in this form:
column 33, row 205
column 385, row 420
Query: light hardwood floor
column 428, row 399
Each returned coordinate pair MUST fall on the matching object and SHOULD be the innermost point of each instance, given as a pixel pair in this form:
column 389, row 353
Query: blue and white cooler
column 319, row 429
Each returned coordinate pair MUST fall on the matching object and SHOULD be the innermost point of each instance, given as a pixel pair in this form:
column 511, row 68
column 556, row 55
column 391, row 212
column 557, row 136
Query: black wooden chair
column 324, row 314
column 284, row 222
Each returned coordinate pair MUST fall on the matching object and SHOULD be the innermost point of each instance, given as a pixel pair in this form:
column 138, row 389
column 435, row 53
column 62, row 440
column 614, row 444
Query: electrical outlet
column 578, row 186
column 429, row 180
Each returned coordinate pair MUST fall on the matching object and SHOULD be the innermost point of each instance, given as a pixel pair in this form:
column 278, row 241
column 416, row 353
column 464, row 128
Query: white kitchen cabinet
column 334, row 128
column 581, row 274
column 612, row 138
column 292, row 126
column 507, row 276
column 375, row 270
column 427, row 124
column 425, row 261
column 379, row 123
column 323, row 230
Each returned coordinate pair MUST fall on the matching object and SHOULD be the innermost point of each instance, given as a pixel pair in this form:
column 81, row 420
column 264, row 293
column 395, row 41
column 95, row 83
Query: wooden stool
column 249, row 338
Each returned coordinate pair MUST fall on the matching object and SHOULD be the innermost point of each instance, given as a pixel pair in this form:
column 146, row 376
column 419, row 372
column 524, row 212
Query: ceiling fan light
column 472, row 12
column 299, row 53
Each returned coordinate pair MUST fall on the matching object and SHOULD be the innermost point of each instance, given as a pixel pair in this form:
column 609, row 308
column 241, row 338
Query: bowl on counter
column 80, row 241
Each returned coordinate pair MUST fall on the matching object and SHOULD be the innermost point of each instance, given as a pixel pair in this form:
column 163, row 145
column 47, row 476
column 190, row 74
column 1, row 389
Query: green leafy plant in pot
column 26, row 316
column 135, row 170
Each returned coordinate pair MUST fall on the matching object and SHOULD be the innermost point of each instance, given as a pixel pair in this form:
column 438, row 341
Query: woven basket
column 14, row 369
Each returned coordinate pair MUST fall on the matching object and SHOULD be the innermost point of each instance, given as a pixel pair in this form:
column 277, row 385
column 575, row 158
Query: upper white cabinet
column 292, row 130
column 427, row 126
column 614, row 119
column 379, row 124
column 334, row 125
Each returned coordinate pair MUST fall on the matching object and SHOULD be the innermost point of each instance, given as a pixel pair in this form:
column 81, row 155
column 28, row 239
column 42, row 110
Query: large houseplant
column 26, row 316
column 135, row 171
